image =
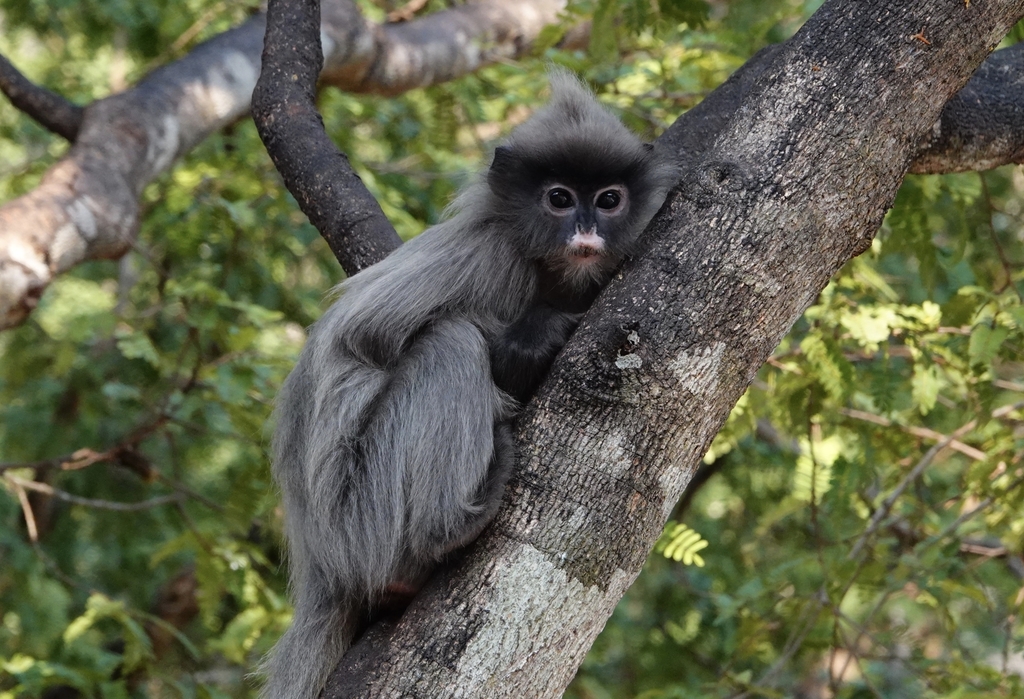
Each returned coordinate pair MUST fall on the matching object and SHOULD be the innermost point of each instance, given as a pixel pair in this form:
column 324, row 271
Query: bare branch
column 90, row 502
column 52, row 111
column 320, row 177
column 883, row 511
column 87, row 205
column 983, row 125
column 394, row 58
column 923, row 432
column 954, row 525
column 26, row 509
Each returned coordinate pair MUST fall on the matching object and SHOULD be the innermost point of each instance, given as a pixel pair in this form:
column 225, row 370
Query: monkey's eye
column 608, row 199
column 560, row 198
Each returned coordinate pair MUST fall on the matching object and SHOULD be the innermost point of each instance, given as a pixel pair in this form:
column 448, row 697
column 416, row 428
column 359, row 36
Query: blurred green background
column 772, row 580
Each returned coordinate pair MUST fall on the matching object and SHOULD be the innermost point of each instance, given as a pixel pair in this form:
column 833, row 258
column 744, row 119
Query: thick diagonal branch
column 794, row 183
column 983, row 125
column 87, row 205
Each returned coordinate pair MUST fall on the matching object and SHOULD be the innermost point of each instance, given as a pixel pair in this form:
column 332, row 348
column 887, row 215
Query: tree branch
column 320, row 177
column 52, row 111
column 87, row 205
column 795, row 183
column 91, row 502
column 394, row 58
column 982, row 127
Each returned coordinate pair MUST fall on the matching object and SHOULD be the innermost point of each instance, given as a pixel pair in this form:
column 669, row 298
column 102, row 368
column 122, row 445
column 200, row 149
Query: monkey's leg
column 491, row 492
column 436, row 424
column 399, row 593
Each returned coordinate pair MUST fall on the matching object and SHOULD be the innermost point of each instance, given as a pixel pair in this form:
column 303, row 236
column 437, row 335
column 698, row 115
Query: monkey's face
column 585, row 226
column 576, row 210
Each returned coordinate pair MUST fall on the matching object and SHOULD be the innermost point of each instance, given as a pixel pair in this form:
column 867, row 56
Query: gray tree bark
column 776, row 199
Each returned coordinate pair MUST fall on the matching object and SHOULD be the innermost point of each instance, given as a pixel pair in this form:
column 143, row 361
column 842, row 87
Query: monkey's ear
column 504, row 162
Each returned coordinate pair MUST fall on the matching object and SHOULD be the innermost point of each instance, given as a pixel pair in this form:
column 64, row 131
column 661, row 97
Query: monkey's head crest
column 572, row 131
column 574, row 186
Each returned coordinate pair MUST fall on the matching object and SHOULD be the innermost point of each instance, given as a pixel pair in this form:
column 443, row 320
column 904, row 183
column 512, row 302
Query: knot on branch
column 712, row 181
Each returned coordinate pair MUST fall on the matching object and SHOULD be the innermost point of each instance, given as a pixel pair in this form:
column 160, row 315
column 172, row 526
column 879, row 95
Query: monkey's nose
column 587, row 240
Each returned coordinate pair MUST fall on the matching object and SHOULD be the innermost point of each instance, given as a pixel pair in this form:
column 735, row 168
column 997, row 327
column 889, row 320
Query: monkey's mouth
column 583, row 252
column 585, row 245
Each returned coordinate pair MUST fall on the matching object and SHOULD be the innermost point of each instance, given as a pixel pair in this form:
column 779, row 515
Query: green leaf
column 813, row 475
column 134, row 344
column 831, row 369
column 693, row 12
column 549, row 37
column 1017, row 313
column 76, row 309
column 925, row 387
column 870, row 325
column 985, row 343
column 680, row 543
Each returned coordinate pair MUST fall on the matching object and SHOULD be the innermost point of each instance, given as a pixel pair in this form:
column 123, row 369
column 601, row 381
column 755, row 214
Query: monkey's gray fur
column 393, row 444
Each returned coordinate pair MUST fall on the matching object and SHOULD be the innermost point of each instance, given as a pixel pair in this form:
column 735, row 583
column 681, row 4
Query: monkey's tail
column 324, row 627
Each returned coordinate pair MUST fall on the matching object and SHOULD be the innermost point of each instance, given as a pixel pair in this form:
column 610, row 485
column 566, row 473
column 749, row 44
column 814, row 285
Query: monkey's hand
column 522, row 355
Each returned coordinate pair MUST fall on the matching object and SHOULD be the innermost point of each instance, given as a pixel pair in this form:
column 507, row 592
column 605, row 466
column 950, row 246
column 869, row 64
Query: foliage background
column 849, row 547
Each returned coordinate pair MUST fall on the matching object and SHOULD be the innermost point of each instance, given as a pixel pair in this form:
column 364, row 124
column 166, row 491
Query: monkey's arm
column 522, row 355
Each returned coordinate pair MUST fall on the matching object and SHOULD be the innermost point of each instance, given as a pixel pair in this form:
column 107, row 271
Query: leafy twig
column 883, row 511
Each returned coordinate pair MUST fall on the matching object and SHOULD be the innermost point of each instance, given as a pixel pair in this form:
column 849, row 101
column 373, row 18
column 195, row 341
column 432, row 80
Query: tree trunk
column 794, row 186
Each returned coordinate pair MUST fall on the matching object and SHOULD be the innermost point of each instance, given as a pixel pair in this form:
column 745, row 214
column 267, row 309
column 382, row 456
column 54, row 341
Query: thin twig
column 90, row 502
column 185, row 37
column 923, row 432
column 955, row 524
column 55, row 569
column 793, row 643
column 861, row 628
column 30, row 518
column 890, row 654
column 1008, row 267
column 34, row 465
column 190, row 523
column 185, row 490
column 883, row 511
column 1011, row 618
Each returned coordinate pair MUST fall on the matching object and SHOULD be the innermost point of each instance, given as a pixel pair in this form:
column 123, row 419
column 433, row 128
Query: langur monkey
column 393, row 443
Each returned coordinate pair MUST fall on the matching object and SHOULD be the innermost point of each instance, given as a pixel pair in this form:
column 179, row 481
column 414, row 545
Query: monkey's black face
column 576, row 213
column 584, row 225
